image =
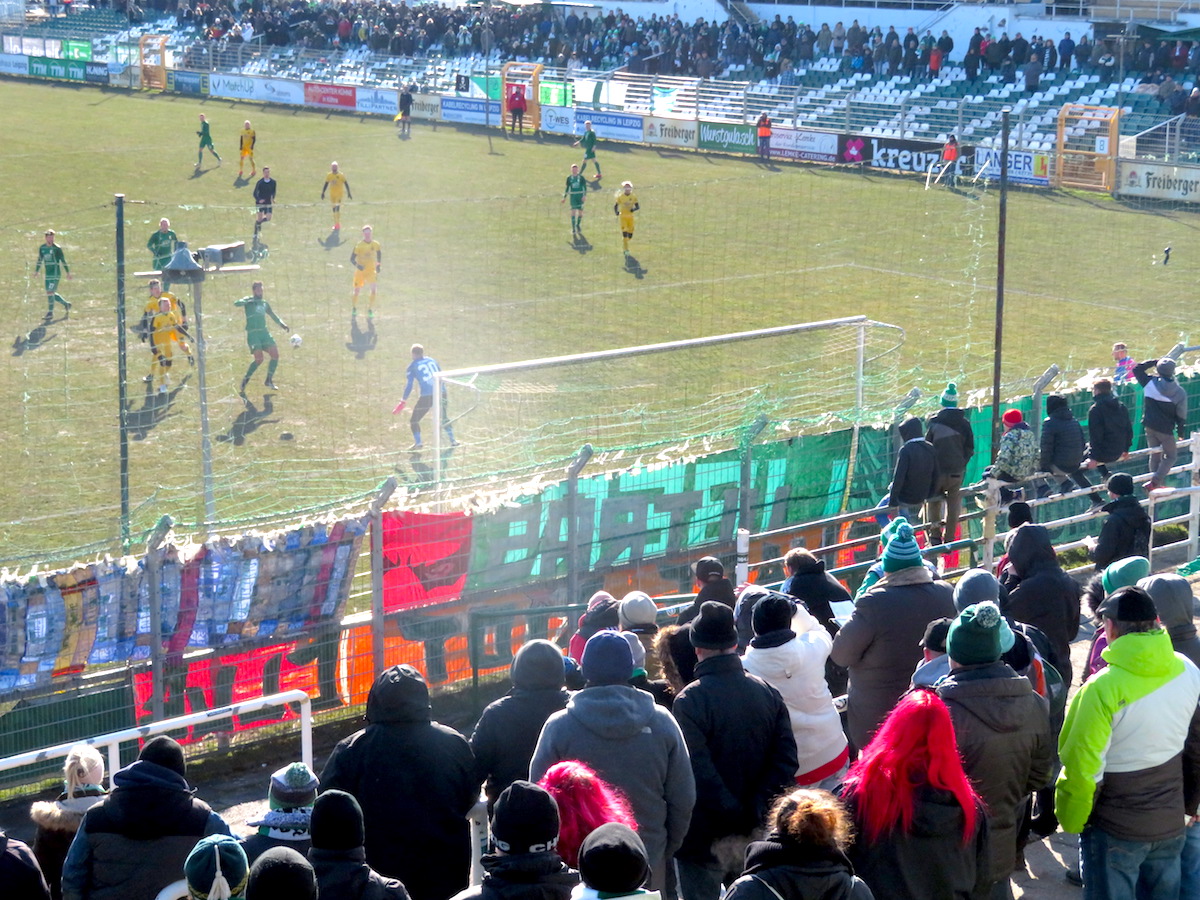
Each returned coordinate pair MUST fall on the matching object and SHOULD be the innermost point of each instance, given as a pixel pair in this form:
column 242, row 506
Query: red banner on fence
column 341, row 96
column 425, row 558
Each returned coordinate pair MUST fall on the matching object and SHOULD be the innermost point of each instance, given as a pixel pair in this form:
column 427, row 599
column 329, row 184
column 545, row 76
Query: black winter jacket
column 19, row 872
column 915, row 478
column 900, row 865
column 722, row 591
column 952, row 438
column 523, row 876
column 1126, row 532
column 743, row 754
column 1040, row 593
column 1110, row 430
column 775, row 869
column 1165, row 402
column 1062, row 441
column 1003, row 733
column 345, row 875
column 415, row 781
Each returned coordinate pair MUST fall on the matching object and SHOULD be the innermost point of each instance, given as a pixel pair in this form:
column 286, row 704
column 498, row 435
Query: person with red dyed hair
column 585, row 802
column 922, row 828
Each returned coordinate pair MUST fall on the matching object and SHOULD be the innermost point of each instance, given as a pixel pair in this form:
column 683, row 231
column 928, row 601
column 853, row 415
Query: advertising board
column 1157, row 181
column 811, row 146
column 727, row 138
column 559, row 120
column 470, row 111
column 378, row 102
column 427, row 107
column 1024, row 166
column 334, row 96
column 671, row 132
column 63, row 69
column 618, row 126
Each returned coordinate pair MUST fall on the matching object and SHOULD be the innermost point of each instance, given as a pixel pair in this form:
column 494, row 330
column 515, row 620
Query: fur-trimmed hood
column 64, row 814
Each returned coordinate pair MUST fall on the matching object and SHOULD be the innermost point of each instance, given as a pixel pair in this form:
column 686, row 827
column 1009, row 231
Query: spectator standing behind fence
column 1124, row 363
column 1062, row 448
column 880, row 645
column 1110, row 430
column 915, row 479
column 415, row 781
column 710, row 576
column 952, row 438
column 507, row 732
column 1164, row 411
column 58, row 820
column 134, row 842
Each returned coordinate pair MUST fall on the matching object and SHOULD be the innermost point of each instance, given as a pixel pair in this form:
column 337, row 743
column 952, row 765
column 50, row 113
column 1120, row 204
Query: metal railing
column 113, row 740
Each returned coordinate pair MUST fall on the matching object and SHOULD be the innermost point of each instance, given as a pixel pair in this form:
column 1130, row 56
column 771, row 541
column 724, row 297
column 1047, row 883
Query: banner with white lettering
column 1157, row 181
column 811, row 146
column 618, row 126
column 671, row 132
column 1024, row 166
column 895, row 154
column 470, row 111
column 235, row 87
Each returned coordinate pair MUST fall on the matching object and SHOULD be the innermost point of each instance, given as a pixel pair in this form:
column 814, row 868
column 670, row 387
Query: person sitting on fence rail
column 1062, row 449
column 1110, row 430
column 1017, row 458
column 135, row 841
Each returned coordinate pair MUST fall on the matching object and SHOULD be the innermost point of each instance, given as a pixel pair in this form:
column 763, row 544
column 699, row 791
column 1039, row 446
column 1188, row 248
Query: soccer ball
column 297, row 340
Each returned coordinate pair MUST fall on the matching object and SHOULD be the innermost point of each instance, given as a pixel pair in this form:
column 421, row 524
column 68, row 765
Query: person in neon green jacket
column 1129, row 745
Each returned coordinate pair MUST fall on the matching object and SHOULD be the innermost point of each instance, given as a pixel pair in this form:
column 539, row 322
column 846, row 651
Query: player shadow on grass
column 240, row 180
column 766, row 164
column 34, row 339
column 581, row 244
column 634, row 268
column 332, row 240
column 361, row 342
column 249, row 420
column 422, row 473
column 155, row 408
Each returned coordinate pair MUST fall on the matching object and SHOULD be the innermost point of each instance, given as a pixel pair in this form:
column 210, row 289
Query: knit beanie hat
column 1055, row 401
column 1012, row 417
column 976, row 586
column 772, row 612
column 950, row 395
column 637, row 609
column 934, row 638
column 337, row 822
column 216, row 869
column 83, row 767
column 166, row 752
column 525, row 819
column 607, row 659
column 902, row 551
column 709, row 568
column 538, row 665
column 1165, row 367
column 612, row 860
column 292, row 787
column 714, row 629
column 1120, row 484
column 1019, row 513
column 974, row 636
column 1125, row 572
column 281, row 874
column 636, row 648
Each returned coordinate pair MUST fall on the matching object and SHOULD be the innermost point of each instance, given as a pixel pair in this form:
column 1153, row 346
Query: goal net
column 658, row 403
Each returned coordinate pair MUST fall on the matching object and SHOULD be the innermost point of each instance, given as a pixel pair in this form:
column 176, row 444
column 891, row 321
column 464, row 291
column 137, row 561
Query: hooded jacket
column 915, row 477
column 1110, row 430
column 720, row 590
column 1126, row 532
column 19, row 872
column 897, row 866
column 739, row 735
column 134, row 842
column 1003, row 734
column 415, row 780
column 1175, row 603
column 880, row 644
column 637, row 747
column 1129, row 744
column 1040, row 593
column 507, row 732
column 345, row 875
column 952, row 439
column 57, row 822
column 777, row 869
column 796, row 668
column 1165, row 402
column 1062, row 438
column 523, row 876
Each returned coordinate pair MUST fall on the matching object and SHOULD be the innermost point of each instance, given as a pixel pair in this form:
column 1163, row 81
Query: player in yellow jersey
column 367, row 258
column 167, row 333
column 248, row 137
column 145, row 327
column 625, row 206
column 336, row 184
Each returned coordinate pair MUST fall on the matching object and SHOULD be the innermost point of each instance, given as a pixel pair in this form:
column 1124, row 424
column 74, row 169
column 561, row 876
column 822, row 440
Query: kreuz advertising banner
column 896, row 154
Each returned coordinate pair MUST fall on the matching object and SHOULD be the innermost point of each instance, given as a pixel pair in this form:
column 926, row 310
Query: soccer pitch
column 479, row 266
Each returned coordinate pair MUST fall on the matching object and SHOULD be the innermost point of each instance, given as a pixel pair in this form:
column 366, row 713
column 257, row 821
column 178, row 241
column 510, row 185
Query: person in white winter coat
column 788, row 652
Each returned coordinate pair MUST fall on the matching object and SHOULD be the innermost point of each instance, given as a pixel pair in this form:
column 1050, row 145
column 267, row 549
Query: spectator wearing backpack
column 1126, row 531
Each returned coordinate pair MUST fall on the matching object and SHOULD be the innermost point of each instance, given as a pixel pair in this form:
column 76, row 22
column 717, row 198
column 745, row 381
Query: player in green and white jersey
column 53, row 263
column 576, row 191
column 588, row 143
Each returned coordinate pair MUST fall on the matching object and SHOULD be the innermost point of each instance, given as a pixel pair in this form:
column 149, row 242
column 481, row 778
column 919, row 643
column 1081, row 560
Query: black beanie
column 612, row 860
column 713, row 629
column 1120, row 484
column 525, row 819
column 1055, row 401
column 281, row 874
column 772, row 612
column 166, row 752
column 336, row 822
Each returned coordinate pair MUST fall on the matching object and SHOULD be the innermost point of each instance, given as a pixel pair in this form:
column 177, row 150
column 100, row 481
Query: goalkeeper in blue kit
column 420, row 373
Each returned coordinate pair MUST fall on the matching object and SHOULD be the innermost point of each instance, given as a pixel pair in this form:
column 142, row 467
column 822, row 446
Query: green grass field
column 479, row 267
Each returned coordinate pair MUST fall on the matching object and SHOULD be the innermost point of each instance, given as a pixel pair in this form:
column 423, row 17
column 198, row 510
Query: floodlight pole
column 1001, row 235
column 122, row 389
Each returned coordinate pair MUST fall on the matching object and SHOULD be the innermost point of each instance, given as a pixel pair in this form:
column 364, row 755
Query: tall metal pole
column 153, row 592
column 1001, row 235
column 206, row 451
column 122, row 391
column 581, row 459
column 377, row 631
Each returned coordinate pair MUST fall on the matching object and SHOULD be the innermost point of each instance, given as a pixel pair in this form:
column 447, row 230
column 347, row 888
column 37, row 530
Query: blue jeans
column 1189, row 865
column 911, row 513
column 1129, row 870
